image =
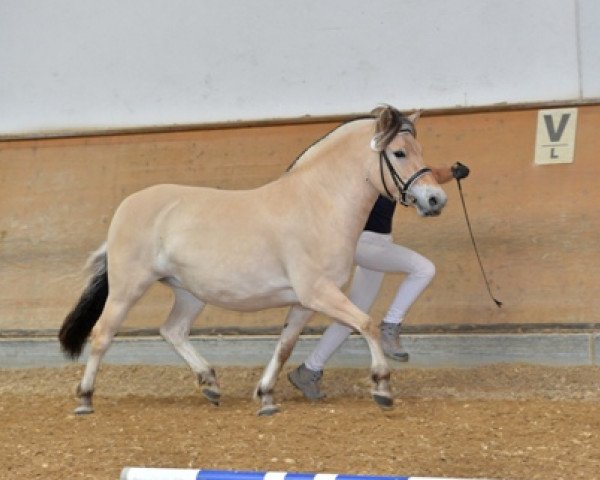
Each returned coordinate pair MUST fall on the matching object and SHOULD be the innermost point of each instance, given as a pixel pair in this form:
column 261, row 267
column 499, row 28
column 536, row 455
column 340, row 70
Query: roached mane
column 390, row 121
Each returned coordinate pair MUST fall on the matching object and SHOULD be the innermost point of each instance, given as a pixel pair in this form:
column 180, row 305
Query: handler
column 376, row 254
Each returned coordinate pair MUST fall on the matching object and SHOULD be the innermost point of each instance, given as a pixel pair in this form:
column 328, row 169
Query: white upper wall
column 76, row 65
column 589, row 15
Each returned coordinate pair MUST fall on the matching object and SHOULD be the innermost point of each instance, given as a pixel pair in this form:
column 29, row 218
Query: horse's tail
column 78, row 324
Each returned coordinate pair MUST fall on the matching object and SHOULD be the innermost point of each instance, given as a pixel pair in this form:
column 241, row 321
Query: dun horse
column 289, row 242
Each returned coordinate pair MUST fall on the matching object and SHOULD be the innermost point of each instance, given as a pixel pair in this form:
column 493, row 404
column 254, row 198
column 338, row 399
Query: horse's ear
column 413, row 117
column 385, row 117
column 378, row 111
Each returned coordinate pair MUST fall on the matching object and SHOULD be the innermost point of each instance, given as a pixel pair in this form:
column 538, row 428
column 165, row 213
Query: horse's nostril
column 433, row 201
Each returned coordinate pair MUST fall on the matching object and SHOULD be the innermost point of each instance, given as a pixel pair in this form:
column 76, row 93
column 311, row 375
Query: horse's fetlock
column 208, row 378
column 260, row 392
column 378, row 376
column 84, row 393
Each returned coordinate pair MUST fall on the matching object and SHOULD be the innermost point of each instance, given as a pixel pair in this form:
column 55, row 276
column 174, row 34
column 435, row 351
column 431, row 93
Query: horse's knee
column 367, row 326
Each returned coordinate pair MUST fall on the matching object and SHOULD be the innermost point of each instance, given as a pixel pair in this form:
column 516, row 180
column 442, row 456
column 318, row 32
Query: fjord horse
column 289, row 242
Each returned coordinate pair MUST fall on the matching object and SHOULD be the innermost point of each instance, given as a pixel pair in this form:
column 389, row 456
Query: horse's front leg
column 325, row 297
column 295, row 321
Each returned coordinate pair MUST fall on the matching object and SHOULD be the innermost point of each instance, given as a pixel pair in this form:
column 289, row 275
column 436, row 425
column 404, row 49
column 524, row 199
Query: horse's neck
column 336, row 176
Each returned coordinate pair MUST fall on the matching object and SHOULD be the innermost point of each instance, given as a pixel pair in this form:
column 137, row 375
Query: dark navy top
column 380, row 218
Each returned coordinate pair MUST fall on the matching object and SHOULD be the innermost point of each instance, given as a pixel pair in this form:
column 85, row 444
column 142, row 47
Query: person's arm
column 445, row 174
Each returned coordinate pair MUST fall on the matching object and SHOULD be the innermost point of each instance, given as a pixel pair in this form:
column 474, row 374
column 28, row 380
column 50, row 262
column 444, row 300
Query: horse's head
column 402, row 174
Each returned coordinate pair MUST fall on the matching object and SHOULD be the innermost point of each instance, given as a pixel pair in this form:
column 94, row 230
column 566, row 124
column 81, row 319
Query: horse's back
column 169, row 213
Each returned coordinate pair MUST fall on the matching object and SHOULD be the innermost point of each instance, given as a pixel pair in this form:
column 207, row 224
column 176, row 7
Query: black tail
column 79, row 323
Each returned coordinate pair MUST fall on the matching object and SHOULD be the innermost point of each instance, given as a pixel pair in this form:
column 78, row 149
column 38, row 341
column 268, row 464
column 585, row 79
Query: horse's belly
column 242, row 299
column 250, row 303
column 236, row 290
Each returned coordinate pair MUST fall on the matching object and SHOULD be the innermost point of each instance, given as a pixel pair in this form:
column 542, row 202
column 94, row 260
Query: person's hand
column 459, row 171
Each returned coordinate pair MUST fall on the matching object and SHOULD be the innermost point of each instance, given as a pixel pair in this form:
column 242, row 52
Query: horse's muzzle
column 433, row 204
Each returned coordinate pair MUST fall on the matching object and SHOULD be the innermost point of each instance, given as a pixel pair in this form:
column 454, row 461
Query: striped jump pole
column 140, row 473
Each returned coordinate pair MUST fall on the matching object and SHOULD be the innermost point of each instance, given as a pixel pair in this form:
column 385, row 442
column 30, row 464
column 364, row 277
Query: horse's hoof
column 211, row 395
column 268, row 410
column 83, row 410
column 384, row 402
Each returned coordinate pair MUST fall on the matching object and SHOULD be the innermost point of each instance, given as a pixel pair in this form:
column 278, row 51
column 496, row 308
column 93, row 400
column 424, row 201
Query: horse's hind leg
column 176, row 332
column 295, row 321
column 123, row 293
column 102, row 335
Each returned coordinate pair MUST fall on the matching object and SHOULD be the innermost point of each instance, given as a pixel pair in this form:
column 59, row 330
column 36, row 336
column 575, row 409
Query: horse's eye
column 400, row 154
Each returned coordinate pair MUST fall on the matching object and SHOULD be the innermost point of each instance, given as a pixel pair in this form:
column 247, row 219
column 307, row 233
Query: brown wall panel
column 537, row 227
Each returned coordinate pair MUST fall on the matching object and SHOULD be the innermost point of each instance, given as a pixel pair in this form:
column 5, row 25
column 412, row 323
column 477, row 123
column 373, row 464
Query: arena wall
column 536, row 225
column 74, row 66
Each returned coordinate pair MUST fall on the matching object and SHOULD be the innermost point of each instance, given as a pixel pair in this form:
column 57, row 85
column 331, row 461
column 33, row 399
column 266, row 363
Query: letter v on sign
column 555, row 138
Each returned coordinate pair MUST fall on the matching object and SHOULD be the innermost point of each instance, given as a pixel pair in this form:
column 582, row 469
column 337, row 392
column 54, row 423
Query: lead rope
column 487, row 283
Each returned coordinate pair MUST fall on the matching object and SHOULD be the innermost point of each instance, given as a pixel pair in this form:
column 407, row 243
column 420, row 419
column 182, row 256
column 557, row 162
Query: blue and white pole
column 140, row 473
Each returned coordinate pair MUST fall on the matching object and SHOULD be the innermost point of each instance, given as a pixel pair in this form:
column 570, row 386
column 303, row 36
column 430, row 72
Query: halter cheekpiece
column 402, row 186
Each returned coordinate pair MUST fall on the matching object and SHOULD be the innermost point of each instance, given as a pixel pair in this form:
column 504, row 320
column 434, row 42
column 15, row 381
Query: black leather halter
column 402, row 186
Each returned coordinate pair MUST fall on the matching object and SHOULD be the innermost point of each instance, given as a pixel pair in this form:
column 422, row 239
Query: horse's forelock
column 390, row 122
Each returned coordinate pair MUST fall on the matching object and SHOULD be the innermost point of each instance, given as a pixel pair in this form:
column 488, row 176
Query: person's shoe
column 390, row 342
column 307, row 381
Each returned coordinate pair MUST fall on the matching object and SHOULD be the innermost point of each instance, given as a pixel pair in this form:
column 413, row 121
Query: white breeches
column 376, row 254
